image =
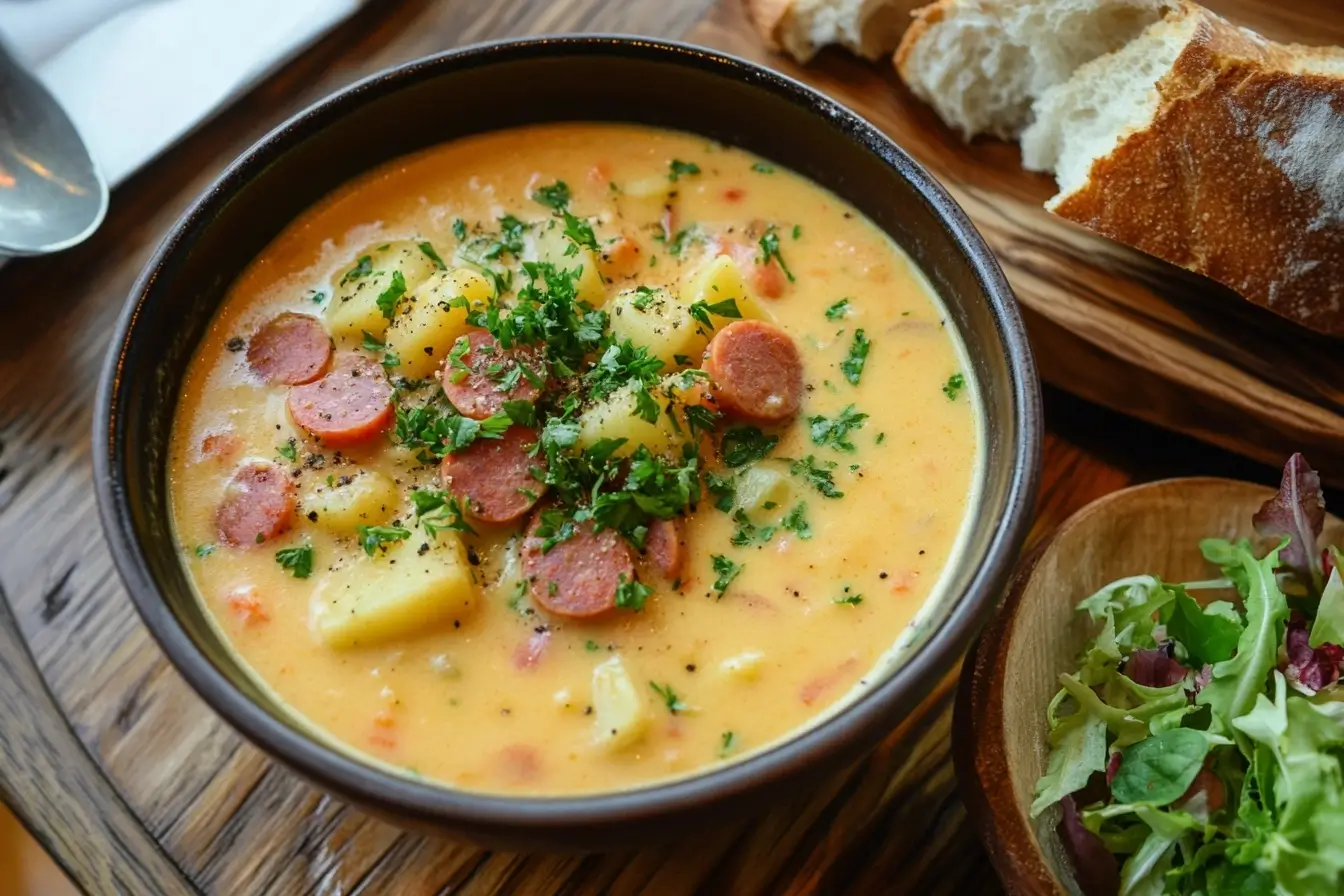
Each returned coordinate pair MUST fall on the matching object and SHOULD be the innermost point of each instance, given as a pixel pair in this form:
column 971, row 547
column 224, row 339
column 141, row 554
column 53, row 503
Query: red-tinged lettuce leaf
column 1298, row 512
column 1154, row 668
column 1094, row 867
column 1312, row 669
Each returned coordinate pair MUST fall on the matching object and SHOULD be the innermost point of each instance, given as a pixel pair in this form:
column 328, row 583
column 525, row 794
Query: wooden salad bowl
column 1000, row 729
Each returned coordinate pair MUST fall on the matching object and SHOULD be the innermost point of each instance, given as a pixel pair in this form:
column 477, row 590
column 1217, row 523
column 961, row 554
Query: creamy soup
column 572, row 458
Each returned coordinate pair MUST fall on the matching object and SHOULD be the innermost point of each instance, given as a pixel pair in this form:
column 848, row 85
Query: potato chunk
column 643, row 200
column 428, row 322
column 554, row 247
column 367, row 499
column 744, row 667
column 617, row 417
column 353, row 308
column 763, row 483
column 376, row 600
column 717, row 280
column 620, row 712
column 660, row 322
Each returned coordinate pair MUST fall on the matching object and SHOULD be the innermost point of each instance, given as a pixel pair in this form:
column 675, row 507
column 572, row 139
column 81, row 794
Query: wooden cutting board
column 1111, row 324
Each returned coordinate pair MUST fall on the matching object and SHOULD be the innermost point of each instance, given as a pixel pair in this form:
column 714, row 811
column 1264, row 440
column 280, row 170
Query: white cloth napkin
column 136, row 75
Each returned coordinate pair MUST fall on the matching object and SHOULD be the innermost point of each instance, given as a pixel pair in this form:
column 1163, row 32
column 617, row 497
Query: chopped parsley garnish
column 554, row 196
column 673, row 703
column 770, row 249
column 722, row 489
column 205, row 550
column 839, row 310
column 952, row 388
column 373, row 537
column 437, row 511
column 460, row 229
column 727, row 743
column 622, row 363
column 725, row 570
column 852, row 366
column 460, row 369
column 747, row 532
column 644, row 296
column 580, row 232
column 835, row 432
column 428, row 248
column 318, row 296
column 298, row 561
column 522, row 412
column 848, row 598
column 679, row 241
column 590, row 646
column 363, row 267
column 796, row 521
column 373, row 344
column 632, row 595
column 701, row 311
column 881, row 437
column 438, row 432
column 511, row 232
column 679, row 169
column 763, row 168
column 797, row 231
column 699, row 419
column 388, row 298
column 742, row 445
column 818, row 475
column 547, row 311
column 288, row 450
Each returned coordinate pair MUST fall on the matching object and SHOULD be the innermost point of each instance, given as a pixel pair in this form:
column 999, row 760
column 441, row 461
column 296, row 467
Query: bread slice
column 981, row 64
column 1206, row 145
column 870, row 28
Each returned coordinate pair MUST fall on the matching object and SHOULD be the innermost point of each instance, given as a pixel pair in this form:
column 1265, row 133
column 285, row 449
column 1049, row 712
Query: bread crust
column 768, row 17
column 1231, row 179
column 924, row 18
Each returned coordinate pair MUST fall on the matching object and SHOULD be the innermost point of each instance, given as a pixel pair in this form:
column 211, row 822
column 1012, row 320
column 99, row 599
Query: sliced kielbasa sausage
column 258, row 505
column 290, row 349
column 350, row 404
column 577, row 577
column 756, row 370
column 476, row 392
column 493, row 477
column 666, row 546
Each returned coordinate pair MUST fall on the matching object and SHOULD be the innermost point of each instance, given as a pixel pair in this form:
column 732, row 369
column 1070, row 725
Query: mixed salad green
column 1197, row 747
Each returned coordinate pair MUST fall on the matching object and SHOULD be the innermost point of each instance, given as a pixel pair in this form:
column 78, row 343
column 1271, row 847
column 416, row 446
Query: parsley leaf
column 818, row 476
column 580, row 232
column 205, row 550
column 679, row 169
column 797, row 523
column 770, row 249
column 673, row 703
column 726, row 570
column 298, row 561
column 839, row 310
column 763, row 168
column 742, row 445
column 428, row 248
column 372, row 537
column 554, row 196
column 287, row 450
column 727, row 743
column 835, row 432
column 363, row 267
column 621, row 363
column 852, row 366
column 523, row 413
column 439, row 432
column 952, row 388
column 722, row 489
column 632, row 595
column 436, row 511
column 726, row 308
column 848, row 598
column 679, row 241
column 388, row 298
column 460, row 229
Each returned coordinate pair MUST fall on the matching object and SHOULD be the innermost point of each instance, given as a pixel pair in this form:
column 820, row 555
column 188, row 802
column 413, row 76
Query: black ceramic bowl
column 502, row 85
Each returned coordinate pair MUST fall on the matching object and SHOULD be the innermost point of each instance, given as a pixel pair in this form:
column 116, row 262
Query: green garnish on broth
column 299, row 560
column 580, row 232
column 797, row 231
column 819, row 476
column 763, row 168
column 952, row 388
column 770, row 249
column 387, row 299
column 834, row 432
column 363, row 268
column 673, row 703
column 679, row 169
column 460, row 229
column 725, row 570
column 553, row 196
column 205, row 550
column 839, row 310
column 371, row 538
column 631, row 595
column 438, row 511
column 742, row 445
column 796, row 521
column 701, row 311
column 852, row 366
column 727, row 743
column 848, row 598
column 288, row 450
column 428, row 248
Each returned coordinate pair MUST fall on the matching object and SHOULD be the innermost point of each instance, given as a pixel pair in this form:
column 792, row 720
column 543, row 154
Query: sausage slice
column 476, row 394
column 577, row 577
column 666, row 546
column 493, row 477
column 756, row 370
column 290, row 349
column 350, row 404
column 258, row 505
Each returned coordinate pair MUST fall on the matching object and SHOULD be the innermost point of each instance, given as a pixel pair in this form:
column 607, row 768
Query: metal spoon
column 52, row 195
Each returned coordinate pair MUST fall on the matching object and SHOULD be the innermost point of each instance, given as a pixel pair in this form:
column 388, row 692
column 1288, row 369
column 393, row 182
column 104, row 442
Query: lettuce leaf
column 1209, row 635
column 1329, row 625
column 1297, row 512
column 1077, row 750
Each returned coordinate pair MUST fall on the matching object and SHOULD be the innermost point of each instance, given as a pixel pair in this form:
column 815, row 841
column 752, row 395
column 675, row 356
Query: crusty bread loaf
column 982, row 63
column 870, row 28
column 1208, row 146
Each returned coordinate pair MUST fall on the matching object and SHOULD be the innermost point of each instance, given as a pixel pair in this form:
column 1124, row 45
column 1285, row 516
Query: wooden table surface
column 136, row 787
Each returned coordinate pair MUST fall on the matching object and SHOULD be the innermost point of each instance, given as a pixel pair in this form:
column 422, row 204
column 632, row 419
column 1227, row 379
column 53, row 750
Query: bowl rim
column 397, row 795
